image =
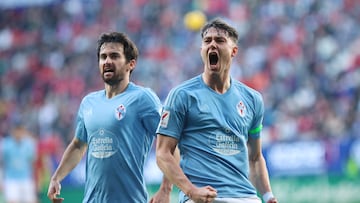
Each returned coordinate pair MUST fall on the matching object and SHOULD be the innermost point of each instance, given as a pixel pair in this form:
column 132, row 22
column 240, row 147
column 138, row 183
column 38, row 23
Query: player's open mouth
column 213, row 58
column 108, row 71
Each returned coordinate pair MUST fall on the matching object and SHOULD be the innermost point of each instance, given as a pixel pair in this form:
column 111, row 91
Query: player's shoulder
column 245, row 89
column 94, row 94
column 145, row 95
column 188, row 85
column 142, row 91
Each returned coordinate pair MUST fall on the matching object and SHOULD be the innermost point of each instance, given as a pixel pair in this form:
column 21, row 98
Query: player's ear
column 132, row 64
column 234, row 51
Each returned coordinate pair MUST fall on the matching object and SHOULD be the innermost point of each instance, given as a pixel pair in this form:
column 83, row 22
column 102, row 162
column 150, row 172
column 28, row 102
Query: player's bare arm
column 163, row 194
column 258, row 172
column 168, row 162
column 72, row 156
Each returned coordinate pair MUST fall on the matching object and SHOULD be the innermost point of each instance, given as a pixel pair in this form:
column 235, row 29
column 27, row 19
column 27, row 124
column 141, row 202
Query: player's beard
column 111, row 81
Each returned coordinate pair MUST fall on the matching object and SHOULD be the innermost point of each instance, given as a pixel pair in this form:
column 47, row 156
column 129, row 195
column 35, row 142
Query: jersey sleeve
column 80, row 130
column 150, row 106
column 173, row 114
column 259, row 109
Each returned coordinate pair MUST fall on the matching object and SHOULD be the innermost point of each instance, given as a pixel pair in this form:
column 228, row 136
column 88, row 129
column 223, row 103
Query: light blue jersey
column 212, row 130
column 119, row 132
column 18, row 158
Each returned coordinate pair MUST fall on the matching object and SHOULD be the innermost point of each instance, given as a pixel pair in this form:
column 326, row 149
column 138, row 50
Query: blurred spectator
column 18, row 155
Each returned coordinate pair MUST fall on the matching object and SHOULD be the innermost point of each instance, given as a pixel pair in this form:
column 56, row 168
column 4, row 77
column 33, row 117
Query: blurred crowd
column 302, row 55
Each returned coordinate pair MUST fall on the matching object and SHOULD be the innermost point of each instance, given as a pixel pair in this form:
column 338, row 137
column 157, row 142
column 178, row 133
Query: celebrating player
column 216, row 122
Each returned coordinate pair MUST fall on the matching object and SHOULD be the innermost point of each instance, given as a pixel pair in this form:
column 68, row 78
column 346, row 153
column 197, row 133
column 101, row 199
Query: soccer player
column 18, row 155
column 115, row 128
column 216, row 122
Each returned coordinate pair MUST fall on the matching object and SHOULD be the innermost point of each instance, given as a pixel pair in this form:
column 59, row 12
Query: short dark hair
column 222, row 25
column 130, row 50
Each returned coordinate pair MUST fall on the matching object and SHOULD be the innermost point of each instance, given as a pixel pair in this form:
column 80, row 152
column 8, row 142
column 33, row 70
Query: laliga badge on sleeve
column 164, row 119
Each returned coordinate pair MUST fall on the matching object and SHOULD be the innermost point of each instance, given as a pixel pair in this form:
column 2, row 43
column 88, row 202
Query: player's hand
column 54, row 189
column 205, row 194
column 161, row 196
column 58, row 200
column 272, row 200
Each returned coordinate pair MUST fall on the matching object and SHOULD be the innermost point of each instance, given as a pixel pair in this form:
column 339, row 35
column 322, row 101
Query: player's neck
column 217, row 83
column 113, row 90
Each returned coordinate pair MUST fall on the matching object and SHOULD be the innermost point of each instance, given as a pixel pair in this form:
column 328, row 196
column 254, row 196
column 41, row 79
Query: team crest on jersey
column 241, row 108
column 120, row 112
column 164, row 119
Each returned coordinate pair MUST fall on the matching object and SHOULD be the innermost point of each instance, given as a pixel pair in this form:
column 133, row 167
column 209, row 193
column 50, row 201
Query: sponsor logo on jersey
column 241, row 108
column 226, row 144
column 120, row 112
column 103, row 144
column 165, row 119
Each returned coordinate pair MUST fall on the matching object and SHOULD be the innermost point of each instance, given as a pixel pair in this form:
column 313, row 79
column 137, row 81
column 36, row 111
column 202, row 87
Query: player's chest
column 107, row 114
column 235, row 111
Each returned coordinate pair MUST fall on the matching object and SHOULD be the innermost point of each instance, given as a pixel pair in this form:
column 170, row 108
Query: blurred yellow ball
column 194, row 20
